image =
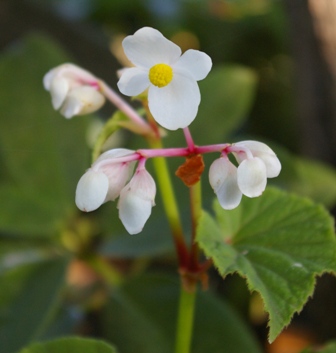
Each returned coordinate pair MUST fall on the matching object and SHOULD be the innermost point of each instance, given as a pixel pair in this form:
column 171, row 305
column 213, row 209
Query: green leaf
column 227, row 96
column 329, row 348
column 279, row 243
column 30, row 313
column 71, row 344
column 42, row 153
column 148, row 303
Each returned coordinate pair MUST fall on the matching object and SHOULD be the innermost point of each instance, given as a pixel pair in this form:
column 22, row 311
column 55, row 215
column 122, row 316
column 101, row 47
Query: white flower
column 136, row 201
column 257, row 162
column 104, row 180
column 73, row 90
column 171, row 78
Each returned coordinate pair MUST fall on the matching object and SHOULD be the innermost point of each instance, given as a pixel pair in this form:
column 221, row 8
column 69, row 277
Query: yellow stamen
column 160, row 75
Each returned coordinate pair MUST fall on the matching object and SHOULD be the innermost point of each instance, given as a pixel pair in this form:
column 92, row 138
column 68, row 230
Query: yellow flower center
column 160, row 75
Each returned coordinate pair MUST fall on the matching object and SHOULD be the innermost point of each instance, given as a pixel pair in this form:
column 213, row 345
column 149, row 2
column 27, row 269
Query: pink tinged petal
column 59, row 89
column 136, row 201
column 196, row 63
column 133, row 81
column 114, row 153
column 91, row 190
column 82, row 100
column 252, row 177
column 148, row 47
column 175, row 105
column 266, row 154
column 143, row 185
column 223, row 179
column 118, row 174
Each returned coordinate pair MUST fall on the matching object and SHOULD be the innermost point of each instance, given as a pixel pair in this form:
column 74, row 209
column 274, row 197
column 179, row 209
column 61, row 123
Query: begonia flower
column 171, row 78
column 74, row 91
column 257, row 162
column 104, row 180
column 136, row 201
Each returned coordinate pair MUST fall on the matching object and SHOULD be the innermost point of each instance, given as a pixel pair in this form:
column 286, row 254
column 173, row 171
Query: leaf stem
column 185, row 319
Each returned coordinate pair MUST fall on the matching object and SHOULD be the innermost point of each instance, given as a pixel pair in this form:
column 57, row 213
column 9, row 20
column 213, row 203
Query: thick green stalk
column 185, row 320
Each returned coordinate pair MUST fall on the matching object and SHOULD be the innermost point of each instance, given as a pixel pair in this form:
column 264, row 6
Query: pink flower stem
column 166, row 152
column 122, row 105
column 189, row 139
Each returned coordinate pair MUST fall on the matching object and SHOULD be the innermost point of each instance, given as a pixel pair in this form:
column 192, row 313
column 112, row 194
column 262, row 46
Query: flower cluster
column 107, row 180
column 170, row 79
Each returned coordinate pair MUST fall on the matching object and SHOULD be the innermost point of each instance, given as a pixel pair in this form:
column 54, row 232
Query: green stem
column 170, row 204
column 196, row 209
column 185, row 320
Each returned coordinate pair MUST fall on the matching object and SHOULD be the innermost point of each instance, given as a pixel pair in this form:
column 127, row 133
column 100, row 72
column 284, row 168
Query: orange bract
column 191, row 170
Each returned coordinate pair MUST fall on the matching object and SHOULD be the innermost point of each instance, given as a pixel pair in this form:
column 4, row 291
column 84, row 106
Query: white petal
column 133, row 81
column 136, row 201
column 91, row 190
column 261, row 150
column 252, row 177
column 148, row 47
column 82, row 100
column 59, row 88
column 197, row 63
column 48, row 77
column 118, row 175
column 134, row 211
column 175, row 105
column 143, row 185
column 71, row 107
column 223, row 179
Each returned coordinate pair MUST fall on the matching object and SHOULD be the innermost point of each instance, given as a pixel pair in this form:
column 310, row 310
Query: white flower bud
column 73, row 90
column 136, row 201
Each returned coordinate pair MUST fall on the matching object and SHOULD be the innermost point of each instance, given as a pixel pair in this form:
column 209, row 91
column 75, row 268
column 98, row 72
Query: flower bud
column 73, row 90
column 136, row 201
